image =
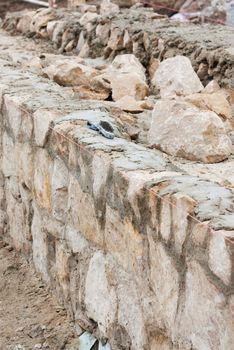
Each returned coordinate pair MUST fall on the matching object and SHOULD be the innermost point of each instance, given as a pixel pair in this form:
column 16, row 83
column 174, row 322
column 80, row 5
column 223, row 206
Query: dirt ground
column 29, row 317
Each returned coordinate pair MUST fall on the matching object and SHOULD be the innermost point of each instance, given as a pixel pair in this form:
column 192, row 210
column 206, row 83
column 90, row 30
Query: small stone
column 127, row 84
column 129, row 104
column 128, row 63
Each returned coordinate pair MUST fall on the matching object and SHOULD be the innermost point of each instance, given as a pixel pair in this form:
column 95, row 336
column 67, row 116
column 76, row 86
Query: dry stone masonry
column 134, row 234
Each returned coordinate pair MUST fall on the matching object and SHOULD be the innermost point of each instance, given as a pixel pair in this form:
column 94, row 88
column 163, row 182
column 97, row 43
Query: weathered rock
column 42, row 120
column 98, row 290
column 126, row 84
column 197, row 135
column 24, row 23
column 70, row 73
column 216, row 102
column 128, row 63
column 176, row 77
column 41, row 19
column 129, row 104
column 115, row 41
column 107, row 7
column 218, row 247
column 199, row 312
column 88, row 18
column 103, row 33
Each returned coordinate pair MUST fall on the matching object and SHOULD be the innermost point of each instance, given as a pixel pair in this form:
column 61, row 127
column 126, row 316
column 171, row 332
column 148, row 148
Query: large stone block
column 197, row 135
column 98, row 292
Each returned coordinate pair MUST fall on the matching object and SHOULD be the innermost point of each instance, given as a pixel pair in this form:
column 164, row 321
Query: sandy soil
column 29, row 317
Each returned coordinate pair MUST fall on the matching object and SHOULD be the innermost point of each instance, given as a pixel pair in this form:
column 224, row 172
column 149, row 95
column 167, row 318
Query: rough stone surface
column 196, row 134
column 176, row 77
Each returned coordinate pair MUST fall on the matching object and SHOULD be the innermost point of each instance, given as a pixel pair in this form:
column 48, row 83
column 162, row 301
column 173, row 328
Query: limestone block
column 197, row 135
column 99, row 292
column 165, row 283
column 87, row 18
column 100, row 167
column 175, row 77
column 107, row 8
column 166, row 217
column 82, row 214
column 219, row 257
column 216, row 102
column 75, row 241
column 24, row 161
column 70, row 73
column 42, row 179
column 115, row 41
column 103, row 33
column 8, row 156
column 200, row 232
column 41, row 19
column 123, row 242
column 208, row 320
column 24, row 23
column 61, row 267
column 59, row 183
column 129, row 104
column 183, row 206
column 130, row 314
column 127, row 84
column 40, row 246
column 128, row 63
column 42, row 119
column 17, row 219
column 20, row 121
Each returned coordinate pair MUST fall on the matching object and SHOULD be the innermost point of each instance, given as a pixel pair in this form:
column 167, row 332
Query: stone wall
column 146, row 34
column 139, row 252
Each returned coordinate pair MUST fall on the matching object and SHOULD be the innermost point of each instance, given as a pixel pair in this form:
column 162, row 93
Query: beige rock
column 183, row 206
column 24, row 23
column 165, row 284
column 87, row 18
column 219, row 258
column 212, row 87
column 70, row 73
column 127, row 41
column 107, row 7
column 129, row 104
column 41, row 19
column 175, row 77
column 42, row 119
column 42, row 179
column 128, row 63
column 103, row 32
column 83, row 8
column 216, row 102
column 205, row 311
column 98, row 290
column 153, row 66
column 127, row 84
column 59, row 189
column 40, row 246
column 8, row 161
column 197, row 135
column 115, row 41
